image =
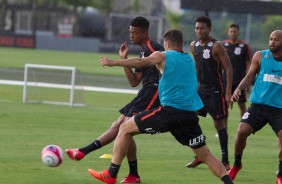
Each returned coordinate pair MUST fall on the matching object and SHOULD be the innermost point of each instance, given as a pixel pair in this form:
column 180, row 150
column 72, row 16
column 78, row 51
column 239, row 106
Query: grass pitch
column 27, row 128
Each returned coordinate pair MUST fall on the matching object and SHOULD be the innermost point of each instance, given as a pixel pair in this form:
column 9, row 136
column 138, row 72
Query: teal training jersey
column 178, row 83
column 268, row 86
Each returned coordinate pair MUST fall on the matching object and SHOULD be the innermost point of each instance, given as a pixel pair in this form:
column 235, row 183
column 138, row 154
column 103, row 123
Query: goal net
column 50, row 84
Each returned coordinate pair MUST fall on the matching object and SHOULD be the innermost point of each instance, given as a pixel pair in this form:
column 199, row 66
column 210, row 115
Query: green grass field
column 27, row 128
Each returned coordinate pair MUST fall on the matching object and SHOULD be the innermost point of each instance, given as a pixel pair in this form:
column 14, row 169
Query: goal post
column 52, row 84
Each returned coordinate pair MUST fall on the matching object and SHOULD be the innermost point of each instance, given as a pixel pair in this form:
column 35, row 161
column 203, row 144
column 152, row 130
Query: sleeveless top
column 209, row 71
column 178, row 84
column 239, row 54
column 268, row 86
column 150, row 74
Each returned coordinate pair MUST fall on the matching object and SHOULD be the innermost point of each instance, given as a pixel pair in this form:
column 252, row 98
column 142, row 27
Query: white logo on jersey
column 272, row 78
column 241, row 45
column 197, row 44
column 226, row 44
column 142, row 54
column 237, row 51
column 246, row 115
column 206, row 54
column 266, row 56
column 210, row 44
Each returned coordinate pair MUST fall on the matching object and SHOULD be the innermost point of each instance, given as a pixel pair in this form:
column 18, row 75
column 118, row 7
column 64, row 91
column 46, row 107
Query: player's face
column 202, row 30
column 137, row 34
column 233, row 33
column 275, row 42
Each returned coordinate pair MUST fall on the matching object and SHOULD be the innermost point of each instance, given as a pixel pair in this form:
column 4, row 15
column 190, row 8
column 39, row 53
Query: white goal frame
column 71, row 87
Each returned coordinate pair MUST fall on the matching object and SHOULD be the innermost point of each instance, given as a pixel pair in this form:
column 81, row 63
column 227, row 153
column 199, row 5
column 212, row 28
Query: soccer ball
column 52, row 155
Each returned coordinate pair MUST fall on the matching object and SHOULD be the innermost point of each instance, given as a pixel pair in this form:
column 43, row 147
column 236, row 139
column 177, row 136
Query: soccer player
column 240, row 56
column 146, row 98
column 210, row 57
column 176, row 114
column 266, row 100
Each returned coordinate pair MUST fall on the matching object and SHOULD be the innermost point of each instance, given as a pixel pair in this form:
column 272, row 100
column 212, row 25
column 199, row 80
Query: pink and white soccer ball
column 52, row 155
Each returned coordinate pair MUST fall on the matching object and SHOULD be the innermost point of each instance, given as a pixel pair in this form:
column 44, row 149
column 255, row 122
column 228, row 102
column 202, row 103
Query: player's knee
column 244, row 130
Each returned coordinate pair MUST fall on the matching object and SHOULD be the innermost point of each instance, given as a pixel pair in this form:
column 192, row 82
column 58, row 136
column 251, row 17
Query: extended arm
column 155, row 58
column 246, row 81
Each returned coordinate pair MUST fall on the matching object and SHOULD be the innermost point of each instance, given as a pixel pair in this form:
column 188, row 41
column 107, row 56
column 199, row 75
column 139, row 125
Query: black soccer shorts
column 257, row 116
column 146, row 98
column 214, row 104
column 183, row 125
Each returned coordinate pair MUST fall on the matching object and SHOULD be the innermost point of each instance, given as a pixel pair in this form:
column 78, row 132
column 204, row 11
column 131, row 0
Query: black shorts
column 258, row 116
column 214, row 104
column 146, row 98
column 183, row 125
column 242, row 97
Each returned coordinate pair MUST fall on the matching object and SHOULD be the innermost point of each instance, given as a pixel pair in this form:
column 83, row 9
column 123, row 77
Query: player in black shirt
column 240, row 56
column 146, row 98
column 210, row 58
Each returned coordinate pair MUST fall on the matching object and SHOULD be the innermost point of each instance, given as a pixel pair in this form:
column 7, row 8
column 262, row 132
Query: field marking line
column 62, row 86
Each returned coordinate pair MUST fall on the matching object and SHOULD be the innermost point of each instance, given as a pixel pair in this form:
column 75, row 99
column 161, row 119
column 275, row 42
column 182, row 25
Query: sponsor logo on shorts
column 246, row 115
column 197, row 141
column 151, row 131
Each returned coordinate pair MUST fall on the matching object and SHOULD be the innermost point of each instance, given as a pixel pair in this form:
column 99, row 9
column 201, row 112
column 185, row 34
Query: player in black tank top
column 240, row 56
column 210, row 58
column 146, row 98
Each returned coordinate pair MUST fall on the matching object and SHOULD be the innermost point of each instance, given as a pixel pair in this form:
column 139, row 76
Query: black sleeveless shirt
column 209, row 71
column 150, row 74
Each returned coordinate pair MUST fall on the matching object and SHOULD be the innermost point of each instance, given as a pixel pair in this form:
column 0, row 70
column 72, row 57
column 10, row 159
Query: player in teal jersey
column 266, row 99
column 176, row 114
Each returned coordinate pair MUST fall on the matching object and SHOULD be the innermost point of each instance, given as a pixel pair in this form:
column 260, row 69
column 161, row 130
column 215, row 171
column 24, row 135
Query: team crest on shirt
column 142, row 54
column 197, row 44
column 206, row 54
column 210, row 44
column 241, row 45
column 226, row 44
column 266, row 56
column 237, row 51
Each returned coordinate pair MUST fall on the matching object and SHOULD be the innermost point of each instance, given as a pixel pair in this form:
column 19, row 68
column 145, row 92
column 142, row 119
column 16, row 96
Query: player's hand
column 106, row 61
column 123, row 50
column 228, row 98
column 236, row 94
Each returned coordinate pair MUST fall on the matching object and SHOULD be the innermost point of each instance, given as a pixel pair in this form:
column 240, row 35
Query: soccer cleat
column 279, row 180
column 131, row 179
column 194, row 163
column 234, row 171
column 74, row 154
column 226, row 165
column 103, row 176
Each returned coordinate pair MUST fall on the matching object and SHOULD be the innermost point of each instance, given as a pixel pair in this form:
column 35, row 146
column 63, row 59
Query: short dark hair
column 204, row 19
column 174, row 36
column 141, row 22
column 234, row 25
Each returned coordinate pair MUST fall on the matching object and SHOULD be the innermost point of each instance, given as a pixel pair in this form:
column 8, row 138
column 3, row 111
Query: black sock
column 223, row 140
column 279, row 168
column 237, row 160
column 226, row 179
column 91, row 147
column 113, row 170
column 133, row 168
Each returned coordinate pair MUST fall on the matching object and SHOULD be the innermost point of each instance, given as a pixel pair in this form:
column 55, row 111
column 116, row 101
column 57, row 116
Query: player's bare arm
column 157, row 58
column 220, row 54
column 246, row 81
column 192, row 47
